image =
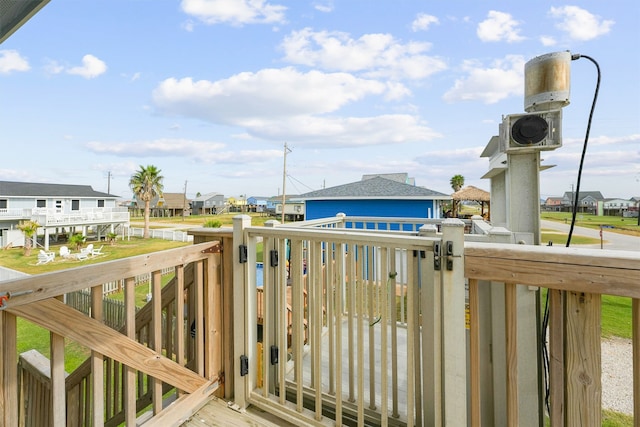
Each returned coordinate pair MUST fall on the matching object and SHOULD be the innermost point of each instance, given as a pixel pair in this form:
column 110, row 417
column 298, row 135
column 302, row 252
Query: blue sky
column 210, row 90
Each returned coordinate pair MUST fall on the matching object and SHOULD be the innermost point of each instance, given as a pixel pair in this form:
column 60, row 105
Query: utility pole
column 184, row 200
column 284, row 179
column 109, row 182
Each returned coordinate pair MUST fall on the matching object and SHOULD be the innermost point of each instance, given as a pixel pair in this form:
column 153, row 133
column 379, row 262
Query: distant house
column 587, row 201
column 257, row 204
column 60, row 209
column 237, row 204
column 169, row 204
column 553, row 204
column 293, row 208
column 389, row 195
column 208, row 204
column 617, row 207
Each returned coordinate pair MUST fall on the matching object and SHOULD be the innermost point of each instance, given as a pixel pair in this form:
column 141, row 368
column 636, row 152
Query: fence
column 113, row 310
column 155, row 233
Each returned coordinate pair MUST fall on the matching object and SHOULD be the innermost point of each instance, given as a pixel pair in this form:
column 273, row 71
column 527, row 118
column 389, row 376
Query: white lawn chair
column 45, row 257
column 65, row 252
column 85, row 252
column 98, row 251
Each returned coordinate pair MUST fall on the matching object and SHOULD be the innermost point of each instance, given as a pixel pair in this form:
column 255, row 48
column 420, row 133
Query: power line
column 300, row 182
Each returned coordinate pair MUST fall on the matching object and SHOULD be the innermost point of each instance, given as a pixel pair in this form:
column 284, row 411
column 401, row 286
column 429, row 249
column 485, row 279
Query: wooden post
column 97, row 362
column 556, row 357
column 431, row 294
column 213, row 317
column 583, row 360
column 511, row 333
column 8, row 370
column 635, row 307
column 474, row 356
column 240, row 310
column 156, row 335
column 58, row 394
column 130, row 330
column 454, row 377
column 228, row 317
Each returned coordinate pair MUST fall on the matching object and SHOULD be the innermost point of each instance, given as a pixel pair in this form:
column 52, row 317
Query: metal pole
column 284, row 179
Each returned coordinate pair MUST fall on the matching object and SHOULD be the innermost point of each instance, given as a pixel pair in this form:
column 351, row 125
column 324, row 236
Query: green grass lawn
column 619, row 224
column 124, row 248
column 31, row 336
column 560, row 239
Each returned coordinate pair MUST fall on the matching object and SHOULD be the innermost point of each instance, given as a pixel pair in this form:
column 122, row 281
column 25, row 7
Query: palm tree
column 77, row 240
column 457, row 182
column 29, row 228
column 146, row 184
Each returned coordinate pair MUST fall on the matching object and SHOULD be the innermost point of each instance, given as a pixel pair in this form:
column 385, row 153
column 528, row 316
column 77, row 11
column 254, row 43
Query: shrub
column 111, row 238
column 212, row 223
column 77, row 240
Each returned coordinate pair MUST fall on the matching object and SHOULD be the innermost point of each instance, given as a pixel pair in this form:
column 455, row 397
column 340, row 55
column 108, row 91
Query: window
column 58, row 204
column 41, row 203
column 3, row 203
column 101, row 203
column 75, row 205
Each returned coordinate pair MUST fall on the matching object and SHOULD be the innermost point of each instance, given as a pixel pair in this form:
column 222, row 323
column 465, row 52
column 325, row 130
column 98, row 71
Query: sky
column 210, row 91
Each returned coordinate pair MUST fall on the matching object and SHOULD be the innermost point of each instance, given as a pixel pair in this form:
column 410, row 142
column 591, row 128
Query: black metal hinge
column 244, row 365
column 273, row 257
column 449, row 254
column 242, row 258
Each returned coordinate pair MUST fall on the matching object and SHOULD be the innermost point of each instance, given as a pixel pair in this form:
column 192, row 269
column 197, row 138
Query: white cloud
column 374, row 55
column 547, row 40
column 499, row 81
column 324, row 7
column 270, row 93
column 234, row 12
column 91, row 67
column 605, row 140
column 346, row 132
column 579, row 23
column 285, row 104
column 197, row 151
column 423, row 22
column 11, row 60
column 499, row 26
column 53, row 67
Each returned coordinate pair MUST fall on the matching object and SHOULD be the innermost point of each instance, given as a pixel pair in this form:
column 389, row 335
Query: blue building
column 390, row 195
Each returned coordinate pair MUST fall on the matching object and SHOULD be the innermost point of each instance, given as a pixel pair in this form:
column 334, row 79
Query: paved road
column 611, row 240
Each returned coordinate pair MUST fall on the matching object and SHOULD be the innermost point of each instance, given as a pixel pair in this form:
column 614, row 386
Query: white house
column 58, row 208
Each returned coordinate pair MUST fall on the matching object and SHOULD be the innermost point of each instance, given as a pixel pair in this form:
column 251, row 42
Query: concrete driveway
column 611, row 240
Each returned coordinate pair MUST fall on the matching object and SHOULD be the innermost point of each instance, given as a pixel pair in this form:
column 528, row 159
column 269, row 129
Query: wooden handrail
column 50, row 285
column 585, row 270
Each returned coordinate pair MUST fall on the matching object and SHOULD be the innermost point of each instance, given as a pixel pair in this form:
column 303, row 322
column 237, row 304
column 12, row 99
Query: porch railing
column 387, row 327
column 129, row 373
column 345, row 372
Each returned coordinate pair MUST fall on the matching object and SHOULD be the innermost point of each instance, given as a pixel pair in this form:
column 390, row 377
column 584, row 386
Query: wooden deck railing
column 575, row 280
column 130, row 371
column 345, row 271
column 381, row 337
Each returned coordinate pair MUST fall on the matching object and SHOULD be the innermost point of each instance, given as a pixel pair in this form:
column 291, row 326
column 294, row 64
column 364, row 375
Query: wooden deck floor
column 217, row 413
column 401, row 368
